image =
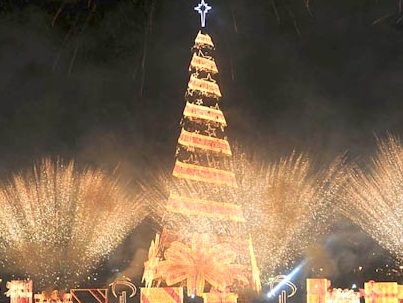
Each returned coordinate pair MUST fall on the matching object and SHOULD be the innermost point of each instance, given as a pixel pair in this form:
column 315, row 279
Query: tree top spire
column 203, row 8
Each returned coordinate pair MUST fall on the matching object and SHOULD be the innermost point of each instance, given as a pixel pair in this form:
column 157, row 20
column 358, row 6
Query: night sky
column 102, row 81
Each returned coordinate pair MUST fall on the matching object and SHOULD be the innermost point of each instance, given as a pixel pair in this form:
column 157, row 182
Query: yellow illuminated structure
column 202, row 62
column 202, row 262
column 381, row 292
column 190, row 139
column 19, row 291
column 338, row 295
column 204, row 86
column 81, row 295
column 220, row 297
column 199, row 207
column 53, row 297
column 204, row 245
column 317, row 290
column 162, row 294
column 197, row 112
column 204, row 40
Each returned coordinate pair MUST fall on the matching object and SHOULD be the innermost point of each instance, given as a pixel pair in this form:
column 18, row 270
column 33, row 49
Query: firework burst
column 374, row 198
column 288, row 205
column 58, row 222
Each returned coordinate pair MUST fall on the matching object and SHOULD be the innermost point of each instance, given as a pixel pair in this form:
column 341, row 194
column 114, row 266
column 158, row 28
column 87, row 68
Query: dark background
column 102, row 81
column 323, row 79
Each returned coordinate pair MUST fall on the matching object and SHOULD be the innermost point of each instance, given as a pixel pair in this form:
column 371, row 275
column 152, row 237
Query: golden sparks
column 288, row 205
column 374, row 197
column 58, row 222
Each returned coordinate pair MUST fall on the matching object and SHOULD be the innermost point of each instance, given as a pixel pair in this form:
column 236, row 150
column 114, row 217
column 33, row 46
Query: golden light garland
column 204, row 40
column 204, row 174
column 206, row 143
column 199, row 207
column 203, row 63
column 204, row 113
column 206, row 86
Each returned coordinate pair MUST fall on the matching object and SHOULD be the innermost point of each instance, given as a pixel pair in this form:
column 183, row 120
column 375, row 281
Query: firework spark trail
column 287, row 205
column 58, row 222
column 148, row 31
column 374, row 198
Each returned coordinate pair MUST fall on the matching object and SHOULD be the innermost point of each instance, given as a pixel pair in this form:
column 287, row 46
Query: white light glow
column 286, row 280
column 202, row 8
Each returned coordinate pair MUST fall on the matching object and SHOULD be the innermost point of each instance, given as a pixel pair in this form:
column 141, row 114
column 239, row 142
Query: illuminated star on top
column 203, row 9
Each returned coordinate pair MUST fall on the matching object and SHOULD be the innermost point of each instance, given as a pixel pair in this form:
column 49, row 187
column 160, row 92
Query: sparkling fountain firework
column 58, row 222
column 374, row 198
column 288, row 205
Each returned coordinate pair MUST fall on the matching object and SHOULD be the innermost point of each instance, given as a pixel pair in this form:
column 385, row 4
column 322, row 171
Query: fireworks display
column 374, row 198
column 58, row 222
column 288, row 205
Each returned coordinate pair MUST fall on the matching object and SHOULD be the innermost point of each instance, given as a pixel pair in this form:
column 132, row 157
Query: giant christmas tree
column 204, row 243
